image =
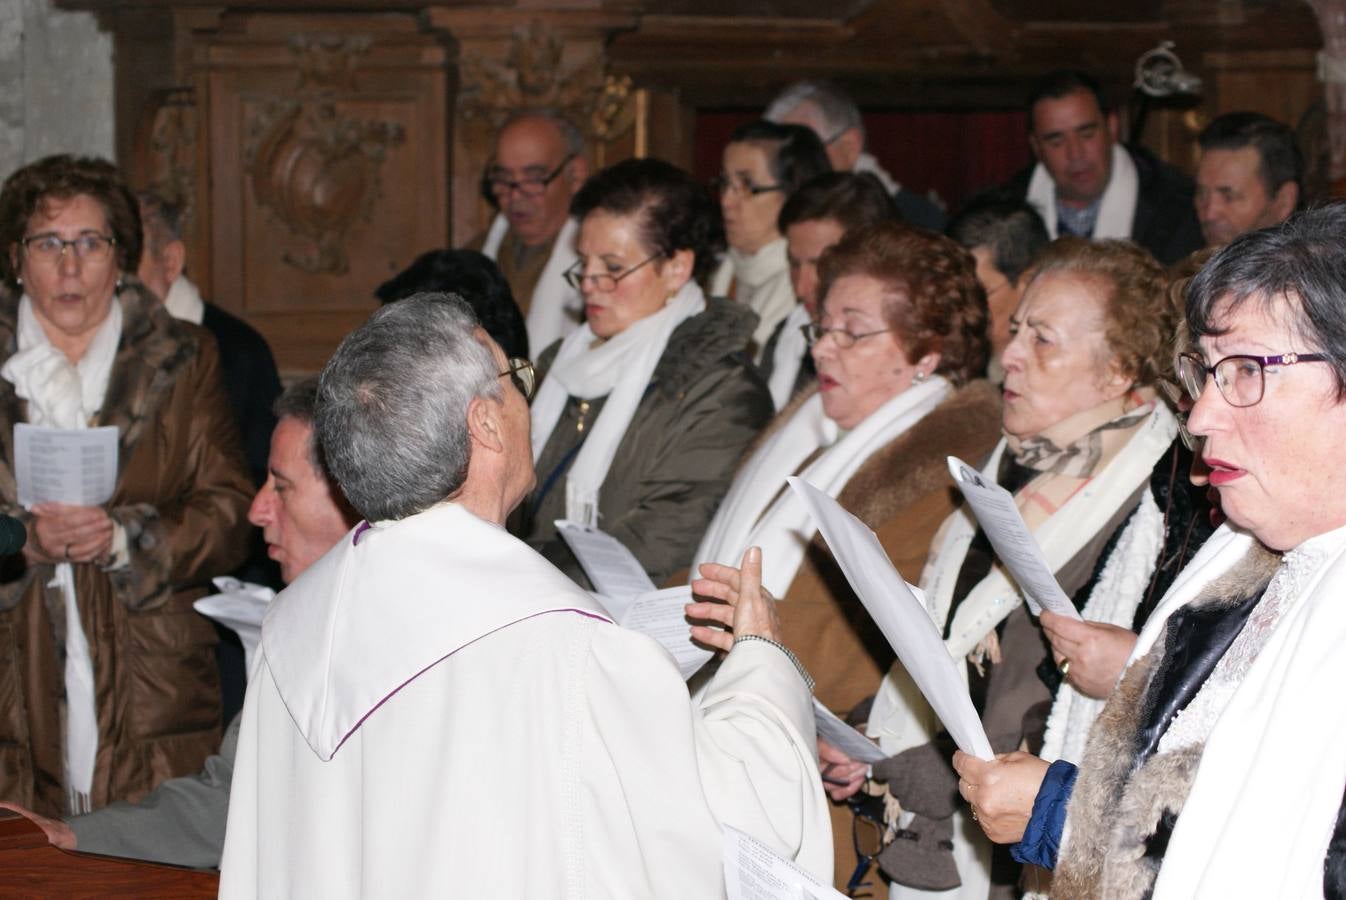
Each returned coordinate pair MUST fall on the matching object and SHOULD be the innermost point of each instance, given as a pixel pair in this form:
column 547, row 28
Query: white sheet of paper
column 240, row 605
column 844, row 737
column 65, row 465
column 901, row 617
column 753, row 871
column 613, row 569
column 1004, row 525
column 660, row 615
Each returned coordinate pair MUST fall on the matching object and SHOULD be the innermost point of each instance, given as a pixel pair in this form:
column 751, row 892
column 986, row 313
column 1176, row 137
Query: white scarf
column 757, row 513
column 184, row 301
column 60, row 395
column 1118, row 208
column 761, row 282
column 620, row 369
column 1114, row 600
column 556, row 308
column 1268, row 785
column 789, row 357
column 899, row 722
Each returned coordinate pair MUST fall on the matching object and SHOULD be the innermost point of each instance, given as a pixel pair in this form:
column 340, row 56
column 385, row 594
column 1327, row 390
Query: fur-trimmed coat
column 182, row 496
column 903, row 492
column 704, row 404
column 1119, row 817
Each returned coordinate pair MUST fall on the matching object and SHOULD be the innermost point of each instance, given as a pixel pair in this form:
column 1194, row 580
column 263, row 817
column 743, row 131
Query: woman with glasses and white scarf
column 642, row 412
column 1093, row 459
column 108, row 680
column 1218, row 765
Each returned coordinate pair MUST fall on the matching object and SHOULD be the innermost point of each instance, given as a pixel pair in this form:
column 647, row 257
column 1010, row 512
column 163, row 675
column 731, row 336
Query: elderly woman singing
column 108, row 682
column 1216, row 768
column 1094, row 463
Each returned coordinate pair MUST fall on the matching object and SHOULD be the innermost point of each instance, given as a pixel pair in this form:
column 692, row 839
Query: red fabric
column 955, row 153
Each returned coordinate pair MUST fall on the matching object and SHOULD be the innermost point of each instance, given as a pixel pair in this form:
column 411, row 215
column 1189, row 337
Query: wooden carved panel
column 329, row 166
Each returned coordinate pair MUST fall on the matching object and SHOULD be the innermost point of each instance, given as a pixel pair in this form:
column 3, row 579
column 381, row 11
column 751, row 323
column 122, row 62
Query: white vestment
column 437, row 711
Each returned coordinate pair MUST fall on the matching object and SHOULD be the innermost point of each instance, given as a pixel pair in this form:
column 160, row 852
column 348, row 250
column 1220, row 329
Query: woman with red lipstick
column 1092, row 457
column 108, row 681
column 644, row 410
column 1218, row 765
column 900, row 347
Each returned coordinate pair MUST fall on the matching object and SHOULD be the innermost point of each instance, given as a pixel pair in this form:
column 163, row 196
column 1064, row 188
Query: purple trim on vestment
column 356, row 727
column 359, row 530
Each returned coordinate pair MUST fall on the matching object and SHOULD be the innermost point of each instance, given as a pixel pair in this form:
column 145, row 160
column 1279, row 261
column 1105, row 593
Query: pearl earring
column 919, row 377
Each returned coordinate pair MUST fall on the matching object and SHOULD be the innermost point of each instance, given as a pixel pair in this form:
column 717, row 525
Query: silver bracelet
column 799, row 666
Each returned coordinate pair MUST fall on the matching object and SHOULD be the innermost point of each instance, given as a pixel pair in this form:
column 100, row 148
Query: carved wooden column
column 510, row 59
column 1332, row 71
column 326, row 143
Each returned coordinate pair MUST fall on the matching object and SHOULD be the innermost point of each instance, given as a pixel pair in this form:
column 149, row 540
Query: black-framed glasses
column 532, row 186
column 50, row 247
column 523, row 375
column 603, row 282
column 867, row 831
column 727, row 183
column 1241, row 379
column 815, row 332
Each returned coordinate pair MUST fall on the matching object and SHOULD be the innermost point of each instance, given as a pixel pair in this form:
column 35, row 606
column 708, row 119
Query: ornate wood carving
column 314, row 168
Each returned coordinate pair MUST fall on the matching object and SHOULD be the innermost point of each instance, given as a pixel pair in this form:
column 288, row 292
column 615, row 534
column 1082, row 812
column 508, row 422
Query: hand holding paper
column 900, row 616
column 1000, row 518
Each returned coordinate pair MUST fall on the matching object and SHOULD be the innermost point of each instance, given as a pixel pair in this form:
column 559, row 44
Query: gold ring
column 1064, row 668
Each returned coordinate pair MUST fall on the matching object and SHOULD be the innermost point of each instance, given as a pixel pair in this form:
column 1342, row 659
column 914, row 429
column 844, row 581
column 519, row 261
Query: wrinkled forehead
column 1264, row 318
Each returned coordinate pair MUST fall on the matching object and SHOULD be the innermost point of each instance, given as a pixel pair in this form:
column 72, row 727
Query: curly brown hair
column 1141, row 322
column 62, row 177
column 932, row 297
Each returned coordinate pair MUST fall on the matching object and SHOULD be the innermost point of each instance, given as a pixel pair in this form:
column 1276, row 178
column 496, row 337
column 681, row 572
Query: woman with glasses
column 764, row 163
column 642, row 412
column 108, row 680
column 1093, row 459
column 1218, row 765
column 899, row 347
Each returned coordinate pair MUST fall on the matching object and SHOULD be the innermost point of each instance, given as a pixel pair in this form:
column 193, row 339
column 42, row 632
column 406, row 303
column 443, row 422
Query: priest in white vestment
column 437, row 711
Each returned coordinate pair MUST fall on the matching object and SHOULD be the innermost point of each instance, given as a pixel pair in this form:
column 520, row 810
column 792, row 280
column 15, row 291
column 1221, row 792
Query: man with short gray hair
column 834, row 117
column 438, row 711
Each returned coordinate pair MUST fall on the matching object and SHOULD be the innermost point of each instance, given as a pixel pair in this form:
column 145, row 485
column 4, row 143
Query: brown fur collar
column 913, row 464
column 1114, row 811
column 153, row 349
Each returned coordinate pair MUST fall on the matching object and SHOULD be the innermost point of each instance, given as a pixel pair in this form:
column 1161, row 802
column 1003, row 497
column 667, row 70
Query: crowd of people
column 439, row 700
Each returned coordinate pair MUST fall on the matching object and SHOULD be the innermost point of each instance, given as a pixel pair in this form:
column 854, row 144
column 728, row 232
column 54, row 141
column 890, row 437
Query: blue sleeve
column 1042, row 837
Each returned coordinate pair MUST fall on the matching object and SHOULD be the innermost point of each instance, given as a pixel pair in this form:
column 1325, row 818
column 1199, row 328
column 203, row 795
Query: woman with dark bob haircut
column 1093, row 459
column 643, row 412
column 108, row 681
column 1216, row 768
column 900, row 345
column 764, row 164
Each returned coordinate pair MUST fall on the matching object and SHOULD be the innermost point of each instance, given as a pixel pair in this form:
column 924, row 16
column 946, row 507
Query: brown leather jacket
column 182, row 496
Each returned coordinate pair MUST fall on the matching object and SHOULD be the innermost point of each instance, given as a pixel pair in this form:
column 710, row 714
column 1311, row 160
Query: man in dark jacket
column 1086, row 183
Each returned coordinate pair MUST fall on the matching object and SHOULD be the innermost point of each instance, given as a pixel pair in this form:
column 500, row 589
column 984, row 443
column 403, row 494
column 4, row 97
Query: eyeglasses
column 726, row 184
column 89, row 247
column 532, row 186
column 814, row 332
column 1241, row 379
column 603, row 282
column 867, row 831
column 522, row 374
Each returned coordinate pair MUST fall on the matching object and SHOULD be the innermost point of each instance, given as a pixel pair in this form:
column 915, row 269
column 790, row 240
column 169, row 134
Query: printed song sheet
column 613, row 569
column 1004, row 525
column 900, row 616
column 752, row 871
column 65, row 465
column 844, row 737
column 629, row 596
